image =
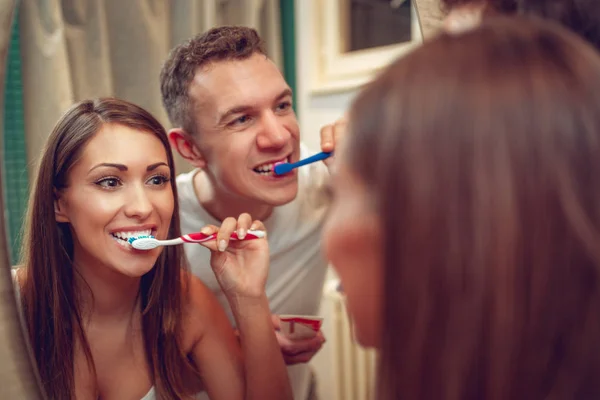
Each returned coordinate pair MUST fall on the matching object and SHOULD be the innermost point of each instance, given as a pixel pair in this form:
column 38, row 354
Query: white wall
column 314, row 110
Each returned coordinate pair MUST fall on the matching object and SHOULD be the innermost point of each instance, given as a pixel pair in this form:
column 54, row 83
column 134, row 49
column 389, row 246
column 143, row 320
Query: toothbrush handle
column 197, row 237
column 200, row 237
column 317, row 157
column 171, row 242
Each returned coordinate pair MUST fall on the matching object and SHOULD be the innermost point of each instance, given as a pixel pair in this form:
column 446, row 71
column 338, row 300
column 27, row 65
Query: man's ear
column 60, row 208
column 186, row 147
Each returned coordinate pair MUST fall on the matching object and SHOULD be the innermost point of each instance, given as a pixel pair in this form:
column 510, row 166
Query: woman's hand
column 240, row 266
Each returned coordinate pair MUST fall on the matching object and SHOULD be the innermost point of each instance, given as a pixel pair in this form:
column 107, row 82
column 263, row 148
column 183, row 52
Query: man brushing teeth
column 233, row 120
column 241, row 123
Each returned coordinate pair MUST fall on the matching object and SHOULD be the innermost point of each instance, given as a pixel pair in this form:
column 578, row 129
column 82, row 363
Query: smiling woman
column 90, row 199
column 108, row 321
column 106, row 202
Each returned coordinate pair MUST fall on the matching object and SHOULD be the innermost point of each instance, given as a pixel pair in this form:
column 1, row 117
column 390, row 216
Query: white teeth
column 265, row 168
column 268, row 168
column 126, row 235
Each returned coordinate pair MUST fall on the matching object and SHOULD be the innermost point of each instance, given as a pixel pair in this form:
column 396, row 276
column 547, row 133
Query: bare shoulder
column 198, row 300
column 201, row 309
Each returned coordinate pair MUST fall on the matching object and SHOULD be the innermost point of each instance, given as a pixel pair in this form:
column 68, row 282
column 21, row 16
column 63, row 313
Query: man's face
column 244, row 125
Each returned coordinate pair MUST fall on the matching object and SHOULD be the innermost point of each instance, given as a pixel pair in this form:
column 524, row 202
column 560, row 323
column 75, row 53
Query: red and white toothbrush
column 150, row 242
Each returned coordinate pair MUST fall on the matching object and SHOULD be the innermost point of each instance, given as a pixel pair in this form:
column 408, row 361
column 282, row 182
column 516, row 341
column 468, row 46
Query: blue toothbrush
column 284, row 168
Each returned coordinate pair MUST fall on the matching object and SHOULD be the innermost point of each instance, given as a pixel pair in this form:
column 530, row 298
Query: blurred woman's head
column 465, row 225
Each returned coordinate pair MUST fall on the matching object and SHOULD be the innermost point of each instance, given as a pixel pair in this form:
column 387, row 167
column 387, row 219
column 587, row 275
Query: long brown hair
column 482, row 151
column 50, row 305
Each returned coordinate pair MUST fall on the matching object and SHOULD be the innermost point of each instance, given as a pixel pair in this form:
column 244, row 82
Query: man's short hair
column 217, row 44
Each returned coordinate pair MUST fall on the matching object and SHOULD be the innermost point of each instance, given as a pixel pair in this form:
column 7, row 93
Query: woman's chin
column 136, row 270
column 364, row 340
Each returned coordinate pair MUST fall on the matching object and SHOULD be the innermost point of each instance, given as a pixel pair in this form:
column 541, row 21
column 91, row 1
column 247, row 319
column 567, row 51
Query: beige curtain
column 77, row 49
column 18, row 379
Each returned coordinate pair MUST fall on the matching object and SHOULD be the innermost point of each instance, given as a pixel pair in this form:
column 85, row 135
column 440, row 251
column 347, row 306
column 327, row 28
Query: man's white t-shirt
column 297, row 268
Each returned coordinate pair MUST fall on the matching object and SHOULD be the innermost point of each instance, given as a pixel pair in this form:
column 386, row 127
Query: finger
column 294, row 347
column 321, row 337
column 209, row 230
column 339, row 131
column 301, row 358
column 258, row 226
column 227, row 228
column 276, row 321
column 243, row 224
column 330, row 161
column 327, row 143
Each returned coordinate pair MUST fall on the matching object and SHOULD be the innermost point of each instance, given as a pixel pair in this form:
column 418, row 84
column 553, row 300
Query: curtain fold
column 76, row 49
column 14, row 163
column 18, row 377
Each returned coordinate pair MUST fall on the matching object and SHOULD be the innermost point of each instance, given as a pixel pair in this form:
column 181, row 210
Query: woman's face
column 352, row 244
column 118, row 188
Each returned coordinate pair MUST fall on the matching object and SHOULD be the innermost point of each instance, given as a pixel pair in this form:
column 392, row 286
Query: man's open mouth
column 268, row 168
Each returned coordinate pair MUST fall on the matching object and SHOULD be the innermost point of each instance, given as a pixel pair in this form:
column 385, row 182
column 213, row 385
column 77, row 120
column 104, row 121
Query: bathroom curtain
column 77, row 49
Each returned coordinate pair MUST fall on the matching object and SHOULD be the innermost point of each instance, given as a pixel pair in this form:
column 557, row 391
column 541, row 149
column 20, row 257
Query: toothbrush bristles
column 133, row 238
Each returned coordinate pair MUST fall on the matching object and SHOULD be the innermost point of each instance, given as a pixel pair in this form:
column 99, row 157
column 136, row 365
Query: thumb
column 276, row 321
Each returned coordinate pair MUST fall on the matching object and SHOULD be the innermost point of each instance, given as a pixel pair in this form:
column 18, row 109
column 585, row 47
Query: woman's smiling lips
column 121, row 235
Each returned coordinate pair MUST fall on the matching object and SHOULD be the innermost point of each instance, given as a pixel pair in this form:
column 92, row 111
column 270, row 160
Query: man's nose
column 273, row 134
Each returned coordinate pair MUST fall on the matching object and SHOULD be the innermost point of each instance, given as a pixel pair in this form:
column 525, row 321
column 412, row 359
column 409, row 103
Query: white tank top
column 150, row 395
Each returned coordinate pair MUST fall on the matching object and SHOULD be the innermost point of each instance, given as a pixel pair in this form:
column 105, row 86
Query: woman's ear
column 60, row 207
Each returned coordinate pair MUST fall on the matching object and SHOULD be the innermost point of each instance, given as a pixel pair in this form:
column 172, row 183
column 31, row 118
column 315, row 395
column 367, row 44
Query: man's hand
column 297, row 351
column 331, row 137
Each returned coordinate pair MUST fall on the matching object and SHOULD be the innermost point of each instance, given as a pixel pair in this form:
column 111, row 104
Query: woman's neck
column 106, row 295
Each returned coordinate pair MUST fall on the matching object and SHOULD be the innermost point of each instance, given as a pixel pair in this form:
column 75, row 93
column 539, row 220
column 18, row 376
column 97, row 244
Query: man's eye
column 284, row 106
column 241, row 120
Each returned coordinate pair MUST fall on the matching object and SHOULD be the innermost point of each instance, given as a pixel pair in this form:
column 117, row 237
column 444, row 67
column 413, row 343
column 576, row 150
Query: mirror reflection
column 187, row 216
column 375, row 23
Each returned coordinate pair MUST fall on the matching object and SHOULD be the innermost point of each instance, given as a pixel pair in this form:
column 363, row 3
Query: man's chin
column 279, row 197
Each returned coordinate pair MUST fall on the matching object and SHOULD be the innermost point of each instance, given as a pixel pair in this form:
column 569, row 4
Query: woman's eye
column 158, row 180
column 108, row 182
